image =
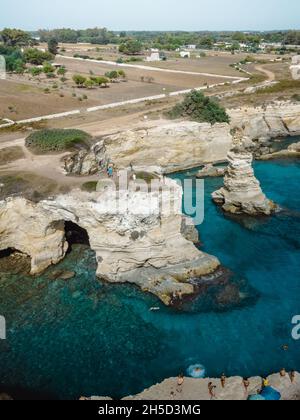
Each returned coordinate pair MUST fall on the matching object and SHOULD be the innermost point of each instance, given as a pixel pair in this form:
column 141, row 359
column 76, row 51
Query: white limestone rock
column 133, row 243
column 241, row 192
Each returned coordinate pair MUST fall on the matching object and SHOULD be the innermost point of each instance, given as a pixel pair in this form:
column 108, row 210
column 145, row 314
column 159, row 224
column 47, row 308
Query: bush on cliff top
column 57, row 140
column 197, row 107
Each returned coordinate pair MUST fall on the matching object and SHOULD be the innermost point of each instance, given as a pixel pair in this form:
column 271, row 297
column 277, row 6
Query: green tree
column 131, row 47
column 15, row 37
column 100, row 81
column 79, row 80
column 37, row 57
column 112, row 75
column 198, row 107
column 89, row 84
column 53, row 46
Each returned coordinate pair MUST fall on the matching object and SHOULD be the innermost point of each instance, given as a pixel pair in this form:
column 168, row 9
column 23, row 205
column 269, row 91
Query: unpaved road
column 270, row 75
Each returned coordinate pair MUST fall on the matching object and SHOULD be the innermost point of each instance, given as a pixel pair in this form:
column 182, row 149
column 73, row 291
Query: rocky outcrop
column 197, row 389
column 87, row 162
column 170, row 146
column 293, row 151
column 134, row 240
column 278, row 120
column 210, row 171
column 242, row 192
column 176, row 146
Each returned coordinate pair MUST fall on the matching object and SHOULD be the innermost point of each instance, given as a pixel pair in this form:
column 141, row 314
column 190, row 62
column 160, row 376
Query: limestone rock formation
column 176, row 146
column 87, row 162
column 242, row 192
column 278, row 120
column 197, row 389
column 133, row 239
column 170, row 146
column 210, row 171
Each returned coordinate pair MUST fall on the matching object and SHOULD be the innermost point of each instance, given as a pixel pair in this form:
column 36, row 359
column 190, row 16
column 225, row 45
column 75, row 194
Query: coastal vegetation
column 56, row 140
column 200, row 108
column 89, row 186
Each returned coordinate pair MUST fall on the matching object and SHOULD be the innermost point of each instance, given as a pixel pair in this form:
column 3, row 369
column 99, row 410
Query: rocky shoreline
column 170, row 147
column 140, row 245
column 198, row 389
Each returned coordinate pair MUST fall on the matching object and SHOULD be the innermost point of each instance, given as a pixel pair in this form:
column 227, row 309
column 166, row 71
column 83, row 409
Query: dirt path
column 270, row 75
column 50, row 166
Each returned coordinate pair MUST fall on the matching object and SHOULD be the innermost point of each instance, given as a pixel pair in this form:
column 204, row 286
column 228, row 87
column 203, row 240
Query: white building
column 185, row 54
column 155, row 56
column 192, row 47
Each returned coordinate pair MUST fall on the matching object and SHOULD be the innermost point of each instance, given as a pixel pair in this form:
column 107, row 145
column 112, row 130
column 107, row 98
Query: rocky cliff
column 242, row 192
column 134, row 240
column 176, row 146
column 277, row 120
column 170, row 147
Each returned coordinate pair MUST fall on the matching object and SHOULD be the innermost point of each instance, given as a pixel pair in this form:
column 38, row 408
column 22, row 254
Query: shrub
column 50, row 75
column 100, row 81
column 57, row 140
column 37, row 57
column 90, row 186
column 48, row 68
column 79, row 80
column 89, row 84
column 61, row 71
column 35, row 71
column 296, row 97
column 198, row 107
column 112, row 75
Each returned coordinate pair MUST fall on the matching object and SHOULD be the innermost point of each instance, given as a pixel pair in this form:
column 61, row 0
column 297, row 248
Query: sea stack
column 241, row 192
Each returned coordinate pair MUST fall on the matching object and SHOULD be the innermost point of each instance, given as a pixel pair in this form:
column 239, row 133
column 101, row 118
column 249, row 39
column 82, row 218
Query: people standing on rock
column 246, row 384
column 110, row 170
column 223, row 380
column 211, row 390
column 283, row 372
column 180, row 382
column 292, row 376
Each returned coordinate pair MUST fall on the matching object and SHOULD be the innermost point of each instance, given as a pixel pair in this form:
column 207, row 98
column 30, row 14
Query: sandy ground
column 50, row 165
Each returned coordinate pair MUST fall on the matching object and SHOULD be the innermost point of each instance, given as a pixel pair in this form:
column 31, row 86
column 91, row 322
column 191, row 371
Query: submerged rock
column 242, row 192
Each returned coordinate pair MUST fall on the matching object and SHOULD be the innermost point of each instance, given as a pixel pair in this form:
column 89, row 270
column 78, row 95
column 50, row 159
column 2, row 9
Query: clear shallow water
column 82, row 337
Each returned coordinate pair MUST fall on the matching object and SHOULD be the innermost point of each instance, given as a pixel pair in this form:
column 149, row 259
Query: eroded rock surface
column 210, row 171
column 197, row 389
column 241, row 192
column 133, row 239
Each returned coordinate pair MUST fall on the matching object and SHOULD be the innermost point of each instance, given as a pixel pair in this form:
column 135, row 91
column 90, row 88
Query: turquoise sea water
column 84, row 337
